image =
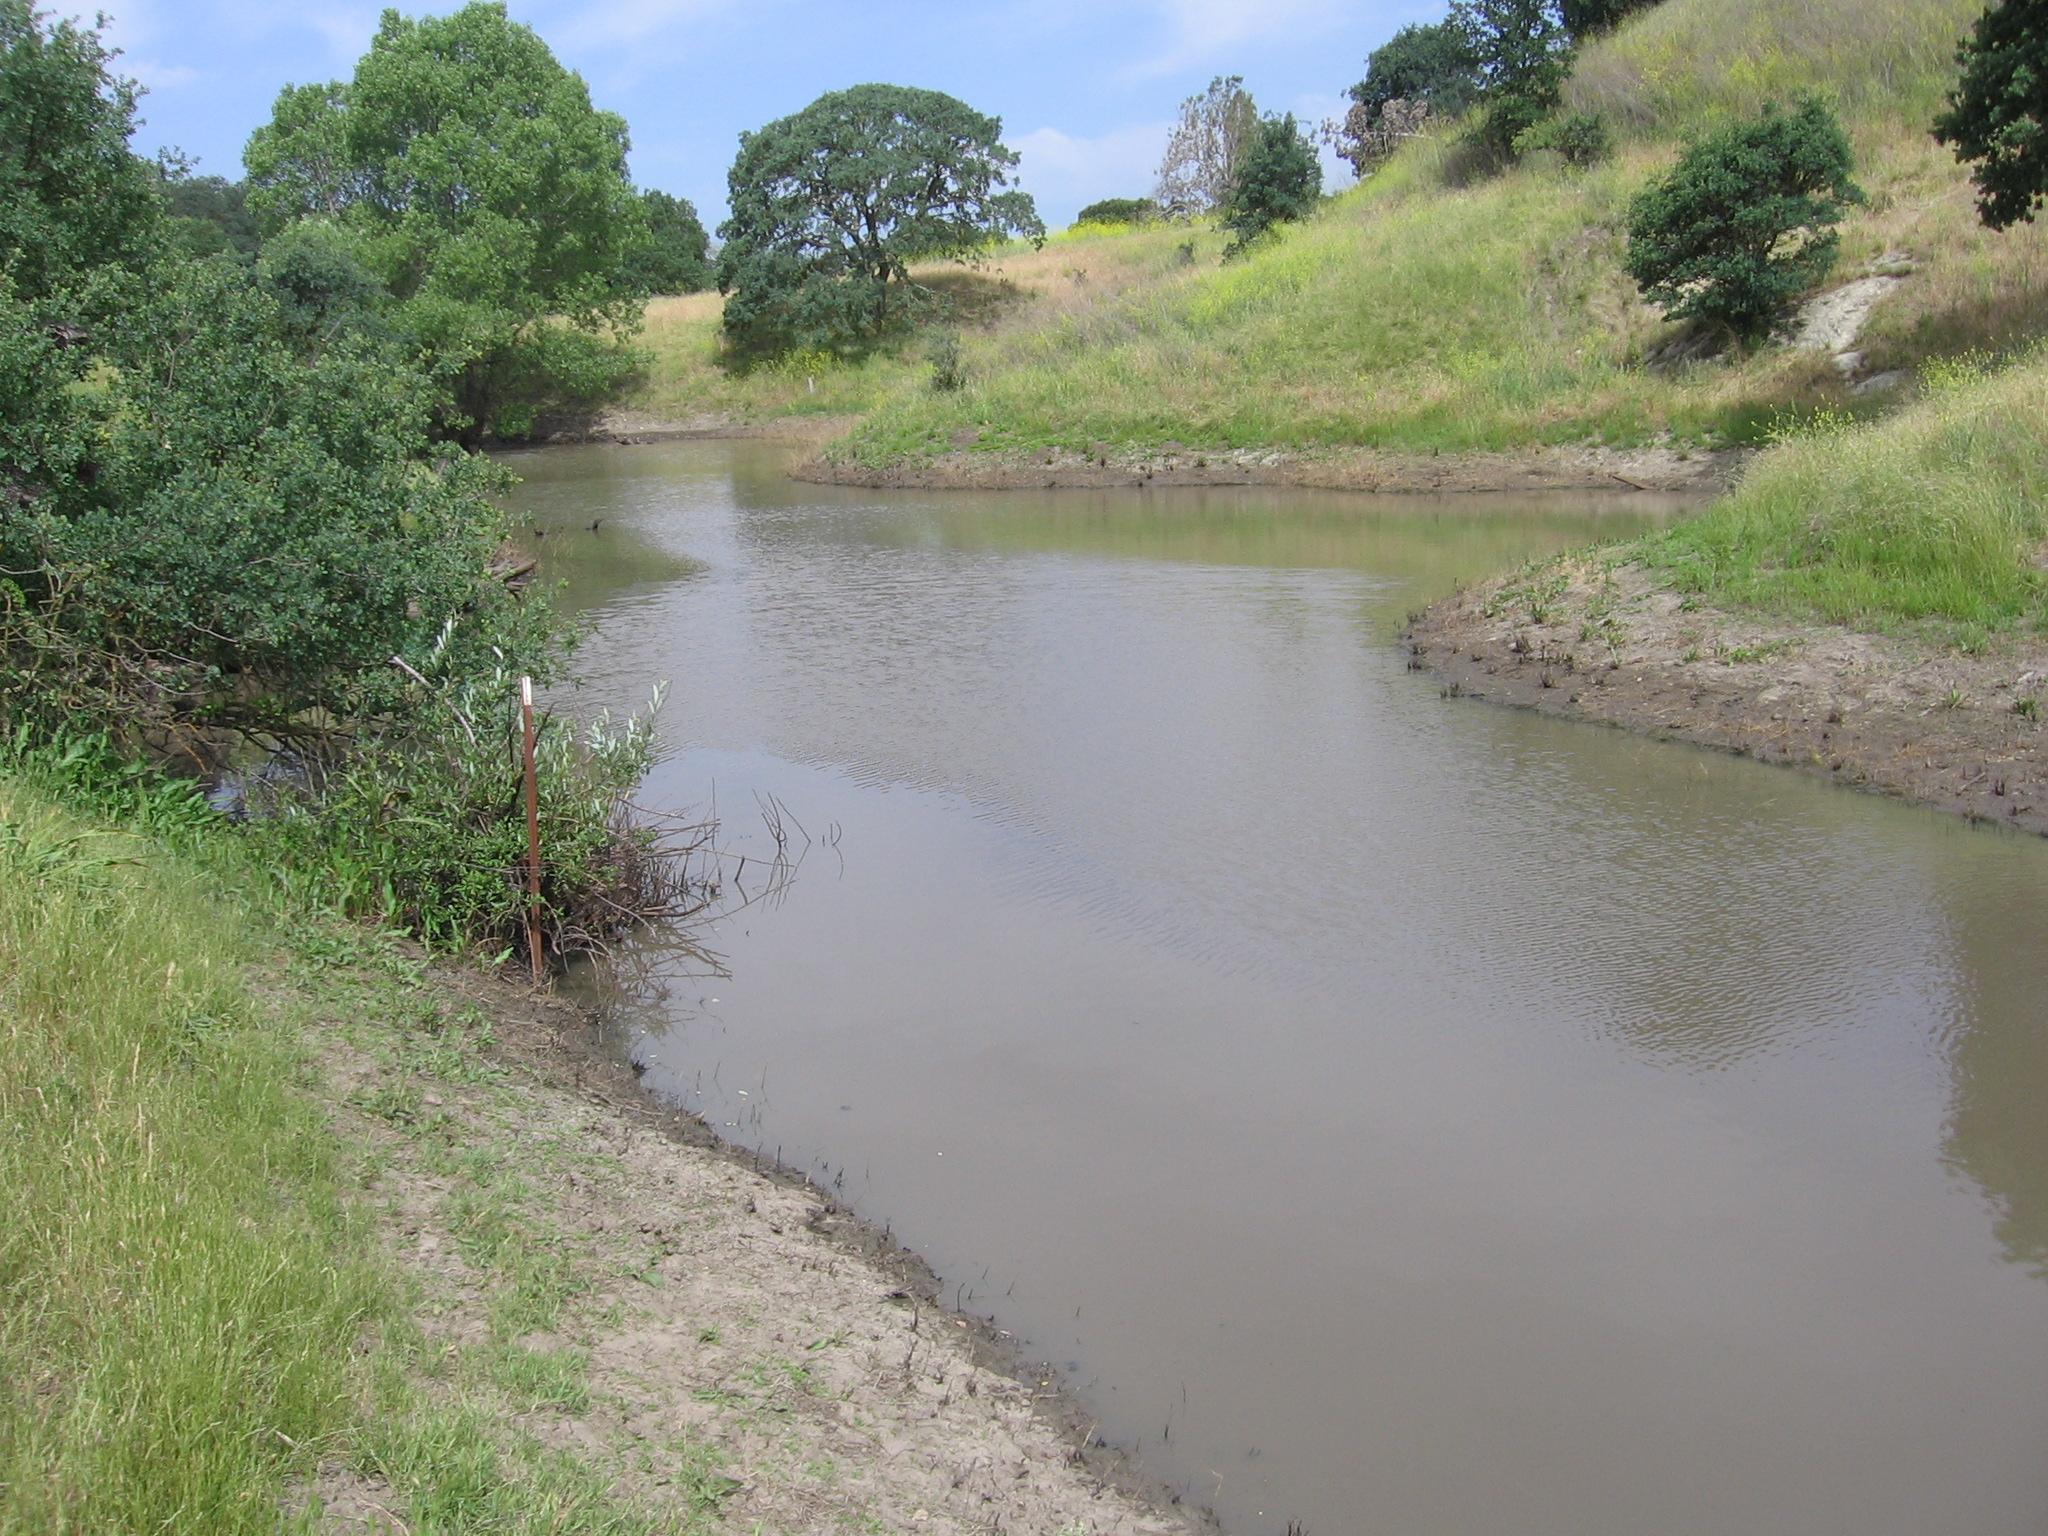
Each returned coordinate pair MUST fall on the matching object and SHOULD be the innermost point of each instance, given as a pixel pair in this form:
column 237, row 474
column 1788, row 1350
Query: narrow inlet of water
column 1394, row 1113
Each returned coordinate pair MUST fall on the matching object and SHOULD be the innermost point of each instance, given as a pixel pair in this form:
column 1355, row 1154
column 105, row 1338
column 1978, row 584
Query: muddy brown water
column 1395, row 1114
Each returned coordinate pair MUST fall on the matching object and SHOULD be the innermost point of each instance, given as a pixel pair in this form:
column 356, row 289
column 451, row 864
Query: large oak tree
column 832, row 205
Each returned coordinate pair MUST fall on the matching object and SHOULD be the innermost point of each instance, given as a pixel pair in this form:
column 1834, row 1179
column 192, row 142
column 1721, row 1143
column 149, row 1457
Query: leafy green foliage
column 205, row 528
column 1120, row 210
column 675, row 257
column 1278, row 179
column 209, row 215
column 1419, row 73
column 223, row 512
column 1745, row 220
column 1523, row 52
column 949, row 370
column 1584, row 18
column 72, row 194
column 1214, row 129
column 1997, row 115
column 1433, row 63
column 323, row 289
column 832, row 205
column 492, row 201
column 425, row 828
column 1581, row 139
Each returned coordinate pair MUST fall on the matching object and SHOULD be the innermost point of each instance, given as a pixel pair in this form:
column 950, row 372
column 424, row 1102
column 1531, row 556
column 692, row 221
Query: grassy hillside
column 1433, row 310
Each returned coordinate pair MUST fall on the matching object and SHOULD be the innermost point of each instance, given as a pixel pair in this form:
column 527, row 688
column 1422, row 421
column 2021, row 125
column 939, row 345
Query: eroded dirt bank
column 744, row 1354
column 1889, row 715
column 1532, row 469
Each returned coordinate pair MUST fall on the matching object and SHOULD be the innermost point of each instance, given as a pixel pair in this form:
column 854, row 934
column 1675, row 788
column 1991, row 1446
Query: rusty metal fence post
column 532, row 830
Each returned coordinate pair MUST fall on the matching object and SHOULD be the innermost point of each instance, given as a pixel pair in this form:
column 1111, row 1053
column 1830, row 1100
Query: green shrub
column 1120, row 210
column 1277, row 179
column 206, row 532
column 949, row 373
column 1580, row 139
column 1744, row 221
column 424, row 827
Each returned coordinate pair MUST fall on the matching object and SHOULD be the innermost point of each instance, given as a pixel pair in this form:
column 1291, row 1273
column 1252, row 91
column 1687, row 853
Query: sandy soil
column 734, row 1310
column 1534, row 469
column 1889, row 715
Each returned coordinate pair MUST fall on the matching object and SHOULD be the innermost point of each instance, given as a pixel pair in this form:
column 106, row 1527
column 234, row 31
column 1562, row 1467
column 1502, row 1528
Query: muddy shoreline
column 1058, row 1465
column 1583, row 468
column 1534, row 469
column 1894, row 716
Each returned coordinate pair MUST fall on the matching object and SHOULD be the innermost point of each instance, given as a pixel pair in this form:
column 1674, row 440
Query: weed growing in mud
column 2027, row 708
column 540, row 1378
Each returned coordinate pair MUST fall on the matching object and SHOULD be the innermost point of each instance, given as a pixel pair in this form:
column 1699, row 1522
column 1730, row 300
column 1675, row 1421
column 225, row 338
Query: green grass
column 194, row 1317
column 181, row 1284
column 1937, row 514
column 1686, row 63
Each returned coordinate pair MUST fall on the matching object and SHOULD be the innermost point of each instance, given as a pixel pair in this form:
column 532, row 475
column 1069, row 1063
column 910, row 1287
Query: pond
column 1393, row 1113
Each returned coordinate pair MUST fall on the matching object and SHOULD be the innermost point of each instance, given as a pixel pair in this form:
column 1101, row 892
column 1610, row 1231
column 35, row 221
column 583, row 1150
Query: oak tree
column 1997, row 115
column 833, row 205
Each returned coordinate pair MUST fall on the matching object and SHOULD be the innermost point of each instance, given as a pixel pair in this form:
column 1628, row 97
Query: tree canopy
column 1420, row 73
column 1997, row 116
column 72, row 194
column 1213, row 131
column 832, row 205
column 1278, row 179
column 1745, row 221
column 202, row 520
column 676, row 255
column 209, row 215
column 1120, row 210
column 1587, row 18
column 1523, row 53
column 490, row 198
column 1433, row 63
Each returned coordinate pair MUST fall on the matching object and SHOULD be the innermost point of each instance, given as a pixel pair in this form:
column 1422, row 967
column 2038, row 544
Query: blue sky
column 1085, row 88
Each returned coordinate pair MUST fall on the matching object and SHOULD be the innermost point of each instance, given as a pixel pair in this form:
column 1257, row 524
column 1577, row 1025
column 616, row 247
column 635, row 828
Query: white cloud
column 1202, row 31
column 1064, row 172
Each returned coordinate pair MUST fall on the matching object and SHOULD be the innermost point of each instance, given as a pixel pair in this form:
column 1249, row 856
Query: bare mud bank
column 1891, row 715
column 1531, row 469
column 747, row 1345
